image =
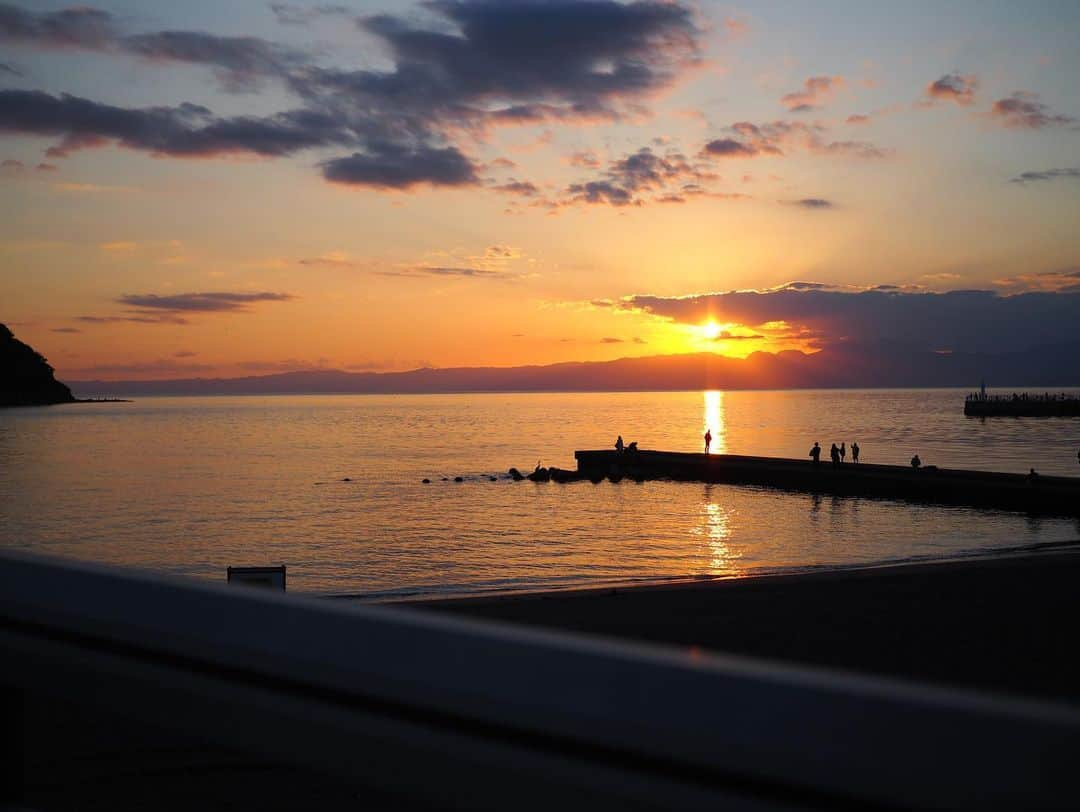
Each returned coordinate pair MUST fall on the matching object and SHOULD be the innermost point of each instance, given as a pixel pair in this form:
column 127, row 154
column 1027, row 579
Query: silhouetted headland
column 26, row 379
column 1040, row 494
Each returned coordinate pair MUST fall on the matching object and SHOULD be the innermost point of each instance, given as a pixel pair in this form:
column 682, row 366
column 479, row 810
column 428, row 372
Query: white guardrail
column 447, row 712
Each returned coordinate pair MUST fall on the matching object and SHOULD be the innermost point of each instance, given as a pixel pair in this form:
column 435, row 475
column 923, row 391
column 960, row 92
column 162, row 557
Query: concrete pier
column 1041, row 494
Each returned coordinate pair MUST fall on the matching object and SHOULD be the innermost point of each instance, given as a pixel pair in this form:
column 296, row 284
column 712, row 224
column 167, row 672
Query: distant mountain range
column 837, row 366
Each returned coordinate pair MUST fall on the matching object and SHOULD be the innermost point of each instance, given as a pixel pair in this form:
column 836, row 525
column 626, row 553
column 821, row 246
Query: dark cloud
column 811, row 203
column 76, row 27
column 957, row 320
column 212, row 302
column 518, row 187
column 1046, row 174
column 730, row 148
column 66, row 330
column 953, row 87
column 391, row 166
column 815, row 91
column 290, row 14
column 642, row 171
column 727, row 335
column 474, row 65
column 9, row 69
column 241, row 61
column 135, row 317
column 187, row 130
column 1024, row 110
column 611, row 341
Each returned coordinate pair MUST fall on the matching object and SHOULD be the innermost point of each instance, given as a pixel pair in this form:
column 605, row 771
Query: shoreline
column 1000, row 623
column 421, row 595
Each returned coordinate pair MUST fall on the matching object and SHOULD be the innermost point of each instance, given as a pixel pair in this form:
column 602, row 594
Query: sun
column 710, row 330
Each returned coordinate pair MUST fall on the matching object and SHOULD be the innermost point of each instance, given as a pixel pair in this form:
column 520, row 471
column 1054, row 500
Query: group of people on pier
column 838, row 454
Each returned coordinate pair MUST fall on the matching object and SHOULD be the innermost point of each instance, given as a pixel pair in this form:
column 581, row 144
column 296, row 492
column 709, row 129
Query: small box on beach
column 263, row 577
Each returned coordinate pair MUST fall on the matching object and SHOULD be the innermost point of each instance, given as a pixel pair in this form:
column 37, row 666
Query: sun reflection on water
column 715, row 531
column 714, row 421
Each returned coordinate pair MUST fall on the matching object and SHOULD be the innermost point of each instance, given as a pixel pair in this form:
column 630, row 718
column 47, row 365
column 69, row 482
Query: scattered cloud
column 811, row 203
column 1023, row 110
column 390, row 166
column 522, row 188
column 66, row 330
column 776, row 138
column 611, row 341
column 625, row 179
column 953, row 87
column 1045, row 175
column 330, row 259
column 814, row 93
column 1064, row 280
column 211, row 302
column 119, row 247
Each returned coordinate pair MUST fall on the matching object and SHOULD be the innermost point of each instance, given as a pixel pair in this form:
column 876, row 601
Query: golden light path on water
column 715, row 529
column 714, row 421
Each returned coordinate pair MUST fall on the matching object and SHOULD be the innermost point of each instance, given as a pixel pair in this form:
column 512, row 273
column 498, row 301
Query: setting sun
column 710, row 330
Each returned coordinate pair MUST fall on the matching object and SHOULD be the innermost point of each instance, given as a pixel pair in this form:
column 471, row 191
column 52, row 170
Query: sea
column 331, row 486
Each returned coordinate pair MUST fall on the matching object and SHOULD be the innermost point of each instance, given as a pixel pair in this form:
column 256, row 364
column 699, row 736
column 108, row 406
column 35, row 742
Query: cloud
column 626, row 178
column 468, row 67
column 811, row 203
column 9, row 69
column 331, row 259
column 518, row 187
column 240, row 61
column 611, row 341
column 953, row 87
column 1065, row 280
column 135, row 317
column 776, row 138
column 956, row 320
column 858, row 118
column 390, row 166
column 187, row 130
column 815, row 91
column 66, row 330
column 1023, row 110
column 212, row 302
column 1046, row 174
column 76, row 27
column 118, row 247
column 730, row 148
column 290, row 14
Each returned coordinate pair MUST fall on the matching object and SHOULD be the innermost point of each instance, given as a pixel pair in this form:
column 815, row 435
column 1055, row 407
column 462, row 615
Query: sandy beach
column 1003, row 624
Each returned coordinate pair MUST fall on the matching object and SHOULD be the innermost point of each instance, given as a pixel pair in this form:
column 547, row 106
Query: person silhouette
column 915, row 461
column 708, row 440
column 618, row 445
column 843, row 451
column 834, row 454
column 1032, row 476
column 855, row 453
column 815, row 453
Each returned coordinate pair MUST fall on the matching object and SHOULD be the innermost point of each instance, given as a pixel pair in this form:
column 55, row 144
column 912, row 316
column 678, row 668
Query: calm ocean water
column 191, row 485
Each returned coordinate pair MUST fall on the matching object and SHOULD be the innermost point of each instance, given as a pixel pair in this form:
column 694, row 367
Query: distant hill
column 26, row 379
column 840, row 366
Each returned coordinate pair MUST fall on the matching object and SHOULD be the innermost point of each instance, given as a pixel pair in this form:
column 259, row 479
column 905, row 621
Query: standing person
column 855, row 453
column 843, row 451
column 834, row 454
column 815, row 453
column 619, row 445
column 708, row 439
column 916, row 462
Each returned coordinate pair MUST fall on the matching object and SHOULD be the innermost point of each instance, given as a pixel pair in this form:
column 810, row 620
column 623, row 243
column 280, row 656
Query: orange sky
column 906, row 168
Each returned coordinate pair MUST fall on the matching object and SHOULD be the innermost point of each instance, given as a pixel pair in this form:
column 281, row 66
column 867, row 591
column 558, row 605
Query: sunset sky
column 234, row 188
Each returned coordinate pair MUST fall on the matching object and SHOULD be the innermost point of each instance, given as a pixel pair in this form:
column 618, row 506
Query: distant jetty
column 1034, row 494
column 979, row 404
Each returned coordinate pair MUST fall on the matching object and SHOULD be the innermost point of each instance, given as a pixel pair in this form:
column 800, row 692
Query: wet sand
column 1004, row 624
